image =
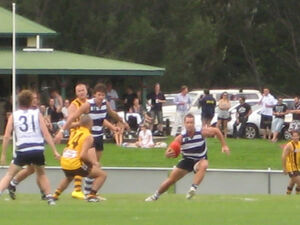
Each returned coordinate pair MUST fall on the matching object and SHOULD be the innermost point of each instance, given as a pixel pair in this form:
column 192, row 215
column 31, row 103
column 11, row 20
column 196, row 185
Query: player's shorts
column 29, row 157
column 98, row 143
column 294, row 174
column 189, row 164
column 83, row 171
column 265, row 122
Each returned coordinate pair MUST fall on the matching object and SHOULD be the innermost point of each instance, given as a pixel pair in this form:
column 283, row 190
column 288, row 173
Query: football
column 176, row 147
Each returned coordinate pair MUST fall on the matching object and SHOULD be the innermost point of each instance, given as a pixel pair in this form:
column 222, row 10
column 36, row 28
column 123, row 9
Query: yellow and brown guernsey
column 293, row 158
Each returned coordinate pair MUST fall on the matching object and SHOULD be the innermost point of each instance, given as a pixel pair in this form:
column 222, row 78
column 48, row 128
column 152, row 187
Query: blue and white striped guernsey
column 27, row 130
column 98, row 114
column 193, row 147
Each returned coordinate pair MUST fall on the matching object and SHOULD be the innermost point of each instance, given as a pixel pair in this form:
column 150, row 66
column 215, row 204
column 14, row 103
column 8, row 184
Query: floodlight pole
column 14, row 65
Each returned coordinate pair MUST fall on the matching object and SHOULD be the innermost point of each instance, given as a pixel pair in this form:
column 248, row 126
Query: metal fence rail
column 147, row 179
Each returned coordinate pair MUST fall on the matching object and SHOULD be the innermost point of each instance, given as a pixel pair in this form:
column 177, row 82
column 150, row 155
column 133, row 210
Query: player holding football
column 291, row 162
column 194, row 152
column 30, row 130
column 79, row 158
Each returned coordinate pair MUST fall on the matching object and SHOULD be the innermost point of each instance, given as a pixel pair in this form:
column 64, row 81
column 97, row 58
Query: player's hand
column 58, row 137
column 3, row 161
column 170, row 153
column 225, row 149
column 285, row 172
column 56, row 155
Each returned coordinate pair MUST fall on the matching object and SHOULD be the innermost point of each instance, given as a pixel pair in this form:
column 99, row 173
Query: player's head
column 99, row 92
column 25, row 98
column 86, row 121
column 295, row 135
column 81, row 91
column 189, row 122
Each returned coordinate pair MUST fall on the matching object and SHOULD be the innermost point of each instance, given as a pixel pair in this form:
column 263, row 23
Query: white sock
column 88, row 182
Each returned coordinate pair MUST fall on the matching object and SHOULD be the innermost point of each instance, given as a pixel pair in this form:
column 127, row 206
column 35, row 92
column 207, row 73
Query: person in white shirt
column 111, row 96
column 145, row 137
column 268, row 102
column 183, row 103
column 64, row 109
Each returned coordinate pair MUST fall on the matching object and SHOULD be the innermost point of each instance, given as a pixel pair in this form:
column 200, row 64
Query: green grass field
column 171, row 209
column 245, row 154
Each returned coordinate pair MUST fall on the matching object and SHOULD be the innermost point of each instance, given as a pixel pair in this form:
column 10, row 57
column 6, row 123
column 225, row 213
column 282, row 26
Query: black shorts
column 98, row 143
column 188, row 164
column 83, row 171
column 207, row 116
column 265, row 122
column 29, row 157
column 294, row 174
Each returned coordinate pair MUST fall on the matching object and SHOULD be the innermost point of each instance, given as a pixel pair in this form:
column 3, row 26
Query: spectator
column 64, row 109
column 208, row 105
column 295, row 124
column 183, row 103
column 223, row 114
column 279, row 112
column 58, row 101
column 46, row 118
column 118, row 135
column 53, row 115
column 157, row 99
column 145, row 137
column 242, row 113
column 128, row 98
column 268, row 102
column 111, row 96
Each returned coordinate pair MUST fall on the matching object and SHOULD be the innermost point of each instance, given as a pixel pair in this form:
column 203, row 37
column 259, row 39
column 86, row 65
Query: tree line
column 201, row 43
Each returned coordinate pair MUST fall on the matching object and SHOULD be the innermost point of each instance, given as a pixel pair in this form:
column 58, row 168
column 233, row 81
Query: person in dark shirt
column 295, row 124
column 128, row 99
column 157, row 99
column 242, row 113
column 279, row 111
column 208, row 105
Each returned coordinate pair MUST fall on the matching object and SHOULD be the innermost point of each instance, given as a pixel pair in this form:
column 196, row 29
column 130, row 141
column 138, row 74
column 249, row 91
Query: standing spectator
column 208, row 105
column 268, row 102
column 295, row 124
column 183, row 103
column 157, row 99
column 242, row 113
column 279, row 112
column 111, row 96
column 223, row 114
column 53, row 115
column 58, row 101
column 64, row 109
column 128, row 99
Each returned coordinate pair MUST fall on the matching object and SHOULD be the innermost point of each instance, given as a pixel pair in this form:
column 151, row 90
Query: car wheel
column 251, row 131
column 286, row 134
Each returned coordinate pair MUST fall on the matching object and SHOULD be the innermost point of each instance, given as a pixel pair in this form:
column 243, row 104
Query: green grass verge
column 246, row 154
column 170, row 209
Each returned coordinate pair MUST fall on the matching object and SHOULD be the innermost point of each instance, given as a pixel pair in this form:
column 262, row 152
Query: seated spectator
column 145, row 137
column 46, row 118
column 279, row 111
column 118, row 135
column 58, row 101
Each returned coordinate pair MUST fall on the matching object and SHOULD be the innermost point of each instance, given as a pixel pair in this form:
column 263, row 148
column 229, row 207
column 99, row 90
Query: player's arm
column 284, row 155
column 110, row 126
column 6, row 138
column 71, row 110
column 169, row 153
column 86, row 147
column 115, row 116
column 212, row 131
column 81, row 110
column 48, row 137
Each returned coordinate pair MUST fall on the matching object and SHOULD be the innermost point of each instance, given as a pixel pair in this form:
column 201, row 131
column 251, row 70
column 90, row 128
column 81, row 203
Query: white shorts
column 277, row 124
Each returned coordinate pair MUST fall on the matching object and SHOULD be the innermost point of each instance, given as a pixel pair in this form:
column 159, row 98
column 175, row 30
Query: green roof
column 24, row 27
column 65, row 63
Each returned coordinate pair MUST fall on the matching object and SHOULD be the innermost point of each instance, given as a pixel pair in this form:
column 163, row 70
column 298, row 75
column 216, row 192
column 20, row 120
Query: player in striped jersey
column 291, row 162
column 194, row 156
column 30, row 131
column 97, row 108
